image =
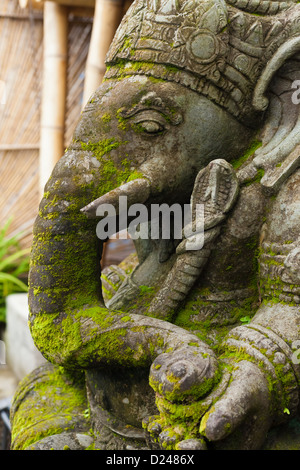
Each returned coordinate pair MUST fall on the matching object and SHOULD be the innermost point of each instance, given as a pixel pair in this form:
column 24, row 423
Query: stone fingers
column 245, row 400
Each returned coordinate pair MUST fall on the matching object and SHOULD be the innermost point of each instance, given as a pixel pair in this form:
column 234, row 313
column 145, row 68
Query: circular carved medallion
column 203, row 46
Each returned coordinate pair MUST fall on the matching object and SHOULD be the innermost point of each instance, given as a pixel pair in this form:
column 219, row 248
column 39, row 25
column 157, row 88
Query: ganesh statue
column 197, row 346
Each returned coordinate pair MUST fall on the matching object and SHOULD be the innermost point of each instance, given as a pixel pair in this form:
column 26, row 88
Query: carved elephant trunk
column 68, row 319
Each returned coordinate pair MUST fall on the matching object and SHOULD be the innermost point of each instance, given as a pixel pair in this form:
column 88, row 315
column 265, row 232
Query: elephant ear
column 279, row 155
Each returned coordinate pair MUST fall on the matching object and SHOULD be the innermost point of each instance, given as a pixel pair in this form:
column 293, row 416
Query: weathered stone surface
column 196, row 107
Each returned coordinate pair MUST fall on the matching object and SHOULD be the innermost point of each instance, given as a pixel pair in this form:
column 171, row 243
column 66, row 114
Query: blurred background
column 51, row 60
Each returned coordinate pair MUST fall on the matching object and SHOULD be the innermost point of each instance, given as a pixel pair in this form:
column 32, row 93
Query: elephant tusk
column 137, row 191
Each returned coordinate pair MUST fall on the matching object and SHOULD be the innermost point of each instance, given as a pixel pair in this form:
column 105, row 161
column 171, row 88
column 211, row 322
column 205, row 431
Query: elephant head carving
column 189, row 86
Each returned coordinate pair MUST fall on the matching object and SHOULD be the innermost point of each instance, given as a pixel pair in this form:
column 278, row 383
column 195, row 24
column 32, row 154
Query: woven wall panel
column 21, row 67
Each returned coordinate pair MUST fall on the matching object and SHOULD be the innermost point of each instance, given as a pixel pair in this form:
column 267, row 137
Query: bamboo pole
column 72, row 3
column 54, row 88
column 108, row 14
column 18, row 147
column 76, row 3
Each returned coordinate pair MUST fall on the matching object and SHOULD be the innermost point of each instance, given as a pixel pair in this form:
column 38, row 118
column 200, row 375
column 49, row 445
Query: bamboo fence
column 22, row 65
column 20, row 72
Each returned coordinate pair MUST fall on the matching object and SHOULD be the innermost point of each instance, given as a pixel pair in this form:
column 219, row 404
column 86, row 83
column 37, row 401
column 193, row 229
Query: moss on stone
column 49, row 401
column 127, row 67
column 194, row 393
column 106, row 117
column 237, row 163
column 179, row 420
column 187, row 316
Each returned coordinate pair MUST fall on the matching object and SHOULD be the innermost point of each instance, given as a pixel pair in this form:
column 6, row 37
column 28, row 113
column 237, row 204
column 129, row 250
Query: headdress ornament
column 217, row 49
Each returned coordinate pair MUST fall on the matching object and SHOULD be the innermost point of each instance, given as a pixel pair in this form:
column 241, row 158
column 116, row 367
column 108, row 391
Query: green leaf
column 5, row 228
column 14, row 262
column 245, row 319
column 2, row 314
column 14, row 280
column 10, row 259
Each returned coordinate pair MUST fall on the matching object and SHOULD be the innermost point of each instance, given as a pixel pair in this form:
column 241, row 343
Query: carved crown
column 215, row 48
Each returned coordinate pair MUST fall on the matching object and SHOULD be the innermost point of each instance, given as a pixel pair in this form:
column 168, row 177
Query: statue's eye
column 149, row 122
column 151, row 127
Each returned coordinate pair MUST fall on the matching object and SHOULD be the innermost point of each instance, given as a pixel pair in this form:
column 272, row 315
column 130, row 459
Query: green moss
column 123, row 125
column 256, row 179
column 102, row 147
column 177, row 395
column 180, row 420
column 250, row 151
column 50, row 215
column 135, row 175
column 127, row 44
column 230, row 358
column 111, row 175
column 93, row 335
column 126, row 319
column 235, row 310
column 171, row 68
column 82, row 334
column 137, row 127
column 187, row 419
column 135, row 66
column 156, row 80
column 64, row 341
column 127, row 67
column 146, row 289
column 273, row 289
column 141, row 302
column 106, row 117
column 107, row 294
column 205, row 419
column 65, row 287
column 54, row 403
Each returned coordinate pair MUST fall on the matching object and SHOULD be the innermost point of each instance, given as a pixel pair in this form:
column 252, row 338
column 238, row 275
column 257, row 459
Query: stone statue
column 196, row 348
